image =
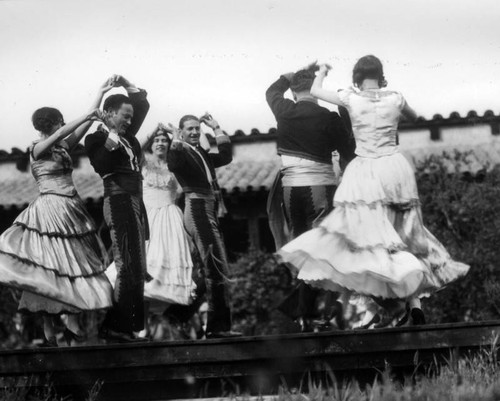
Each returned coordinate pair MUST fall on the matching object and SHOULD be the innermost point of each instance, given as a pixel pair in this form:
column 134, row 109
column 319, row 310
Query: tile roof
column 255, row 161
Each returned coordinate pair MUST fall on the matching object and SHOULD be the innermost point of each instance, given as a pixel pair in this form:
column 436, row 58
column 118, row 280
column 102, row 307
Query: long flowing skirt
column 52, row 252
column 168, row 256
column 374, row 241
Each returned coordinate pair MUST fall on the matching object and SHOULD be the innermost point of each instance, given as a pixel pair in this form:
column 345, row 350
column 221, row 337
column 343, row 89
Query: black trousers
column 305, row 207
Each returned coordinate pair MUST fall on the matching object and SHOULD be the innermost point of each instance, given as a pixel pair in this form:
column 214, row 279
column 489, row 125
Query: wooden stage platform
column 191, row 369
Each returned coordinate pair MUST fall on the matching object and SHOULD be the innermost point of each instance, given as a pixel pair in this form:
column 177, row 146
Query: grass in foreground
column 474, row 378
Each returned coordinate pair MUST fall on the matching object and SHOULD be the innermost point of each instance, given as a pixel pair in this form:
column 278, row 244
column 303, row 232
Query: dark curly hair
column 114, row 102
column 302, row 80
column 368, row 67
column 45, row 118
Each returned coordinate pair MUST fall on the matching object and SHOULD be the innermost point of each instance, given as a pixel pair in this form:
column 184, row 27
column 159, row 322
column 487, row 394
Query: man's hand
column 109, row 84
column 324, row 68
column 209, row 120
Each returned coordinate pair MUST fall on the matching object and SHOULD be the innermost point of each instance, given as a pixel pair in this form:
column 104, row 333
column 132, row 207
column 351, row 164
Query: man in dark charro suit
column 194, row 168
column 116, row 156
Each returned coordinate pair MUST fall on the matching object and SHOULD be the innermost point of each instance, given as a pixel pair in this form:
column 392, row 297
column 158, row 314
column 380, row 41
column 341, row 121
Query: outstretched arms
column 73, row 139
column 44, row 145
column 225, row 155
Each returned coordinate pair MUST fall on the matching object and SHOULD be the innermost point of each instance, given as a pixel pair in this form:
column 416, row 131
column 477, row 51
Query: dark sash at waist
column 123, row 184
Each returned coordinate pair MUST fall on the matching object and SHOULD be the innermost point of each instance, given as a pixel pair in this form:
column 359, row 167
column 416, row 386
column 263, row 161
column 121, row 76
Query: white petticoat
column 374, row 241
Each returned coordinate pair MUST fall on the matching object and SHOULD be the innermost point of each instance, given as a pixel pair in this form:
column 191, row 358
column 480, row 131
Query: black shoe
column 113, row 336
column 417, row 317
column 48, row 343
column 70, row 336
column 306, row 325
column 224, row 334
column 338, row 314
column 404, row 320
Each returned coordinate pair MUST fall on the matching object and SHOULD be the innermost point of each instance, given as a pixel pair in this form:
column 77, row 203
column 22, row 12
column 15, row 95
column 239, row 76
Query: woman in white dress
column 374, row 242
column 168, row 252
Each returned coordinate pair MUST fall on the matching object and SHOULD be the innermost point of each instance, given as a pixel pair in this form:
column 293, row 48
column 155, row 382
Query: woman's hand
column 95, row 115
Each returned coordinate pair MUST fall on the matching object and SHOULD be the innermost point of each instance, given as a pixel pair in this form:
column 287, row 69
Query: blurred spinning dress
column 52, row 250
column 374, row 241
column 168, row 254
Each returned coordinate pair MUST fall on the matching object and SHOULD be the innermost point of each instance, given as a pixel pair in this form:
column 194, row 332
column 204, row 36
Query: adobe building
column 247, row 180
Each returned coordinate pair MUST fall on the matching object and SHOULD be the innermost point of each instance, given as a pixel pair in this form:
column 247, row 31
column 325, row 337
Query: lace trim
column 55, row 271
column 403, row 205
column 55, row 234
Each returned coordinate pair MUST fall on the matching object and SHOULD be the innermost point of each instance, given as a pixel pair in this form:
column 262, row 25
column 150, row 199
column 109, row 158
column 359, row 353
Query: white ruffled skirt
column 374, row 241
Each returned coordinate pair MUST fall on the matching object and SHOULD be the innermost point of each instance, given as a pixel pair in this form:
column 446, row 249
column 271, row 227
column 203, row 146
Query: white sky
column 221, row 55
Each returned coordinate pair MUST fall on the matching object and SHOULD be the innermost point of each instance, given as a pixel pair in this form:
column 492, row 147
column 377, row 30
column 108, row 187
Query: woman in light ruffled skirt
column 374, row 242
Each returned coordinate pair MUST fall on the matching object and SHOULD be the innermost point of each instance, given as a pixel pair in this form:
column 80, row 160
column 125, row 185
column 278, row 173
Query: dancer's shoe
column 417, row 317
column 113, row 336
column 372, row 322
column 49, row 343
column 70, row 336
column 224, row 334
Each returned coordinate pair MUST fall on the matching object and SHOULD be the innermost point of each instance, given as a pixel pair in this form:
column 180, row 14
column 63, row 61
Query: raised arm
column 275, row 95
column 76, row 136
column 225, row 155
column 317, row 88
column 138, row 99
column 176, row 156
column 44, row 145
column 408, row 113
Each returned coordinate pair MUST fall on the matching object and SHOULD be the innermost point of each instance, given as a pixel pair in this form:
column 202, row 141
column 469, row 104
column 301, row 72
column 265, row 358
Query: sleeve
column 401, row 102
column 30, row 149
column 141, row 107
column 344, row 95
column 97, row 152
column 225, row 155
column 275, row 97
column 176, row 156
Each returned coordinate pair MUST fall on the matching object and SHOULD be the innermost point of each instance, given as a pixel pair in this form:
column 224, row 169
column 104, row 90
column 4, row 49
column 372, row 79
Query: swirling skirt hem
column 83, row 293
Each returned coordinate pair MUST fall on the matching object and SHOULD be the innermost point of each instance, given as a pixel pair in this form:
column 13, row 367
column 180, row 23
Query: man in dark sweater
column 307, row 136
column 194, row 168
column 116, row 156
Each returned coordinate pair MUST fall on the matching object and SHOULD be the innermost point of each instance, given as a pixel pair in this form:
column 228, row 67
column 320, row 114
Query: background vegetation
column 461, row 209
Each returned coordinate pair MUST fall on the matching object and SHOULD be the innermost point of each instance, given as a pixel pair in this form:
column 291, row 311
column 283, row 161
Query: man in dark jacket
column 307, row 136
column 194, row 168
column 116, row 156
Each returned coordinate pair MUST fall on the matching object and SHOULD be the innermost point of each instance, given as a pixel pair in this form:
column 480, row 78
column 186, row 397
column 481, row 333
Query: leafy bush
column 258, row 285
column 463, row 212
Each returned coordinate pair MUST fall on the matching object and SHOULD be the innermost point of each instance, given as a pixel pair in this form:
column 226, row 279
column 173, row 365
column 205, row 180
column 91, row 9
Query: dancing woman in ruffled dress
column 374, row 242
column 52, row 250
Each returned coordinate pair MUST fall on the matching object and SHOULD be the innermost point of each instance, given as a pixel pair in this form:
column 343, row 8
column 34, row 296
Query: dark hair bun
column 45, row 118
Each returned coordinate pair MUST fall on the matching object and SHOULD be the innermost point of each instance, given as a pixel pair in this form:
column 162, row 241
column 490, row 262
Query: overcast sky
column 221, row 55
